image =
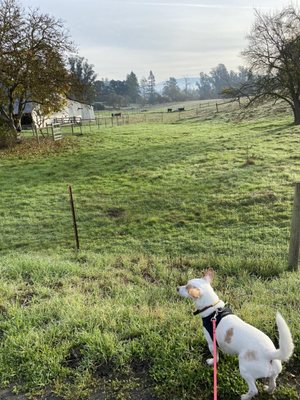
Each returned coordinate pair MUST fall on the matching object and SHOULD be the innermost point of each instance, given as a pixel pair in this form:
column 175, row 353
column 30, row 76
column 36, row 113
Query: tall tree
column 133, row 87
column 118, row 87
column 144, row 89
column 220, row 79
column 33, row 47
column 151, row 88
column 171, row 90
column 273, row 54
column 187, row 85
column 83, row 79
column 205, row 86
column 100, row 89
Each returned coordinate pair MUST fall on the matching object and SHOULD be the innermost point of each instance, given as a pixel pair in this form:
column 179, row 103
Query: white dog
column 258, row 357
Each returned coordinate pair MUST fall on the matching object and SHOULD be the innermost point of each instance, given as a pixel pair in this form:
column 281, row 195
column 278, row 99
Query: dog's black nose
column 178, row 287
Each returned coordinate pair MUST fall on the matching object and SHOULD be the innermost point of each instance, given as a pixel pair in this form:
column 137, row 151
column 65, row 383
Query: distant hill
column 180, row 82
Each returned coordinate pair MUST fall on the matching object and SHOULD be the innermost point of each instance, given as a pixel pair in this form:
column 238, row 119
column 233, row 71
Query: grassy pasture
column 156, row 204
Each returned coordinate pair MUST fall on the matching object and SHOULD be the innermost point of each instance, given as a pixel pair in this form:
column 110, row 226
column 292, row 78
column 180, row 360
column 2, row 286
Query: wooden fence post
column 74, row 218
column 295, row 231
column 217, row 109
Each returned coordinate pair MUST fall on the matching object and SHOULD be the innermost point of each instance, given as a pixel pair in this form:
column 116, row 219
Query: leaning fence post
column 295, row 231
column 74, row 218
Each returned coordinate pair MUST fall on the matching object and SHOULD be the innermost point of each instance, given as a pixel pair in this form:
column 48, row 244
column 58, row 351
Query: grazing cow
column 116, row 114
column 170, row 109
column 181, row 109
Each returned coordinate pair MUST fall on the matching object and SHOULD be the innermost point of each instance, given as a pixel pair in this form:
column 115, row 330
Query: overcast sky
column 176, row 38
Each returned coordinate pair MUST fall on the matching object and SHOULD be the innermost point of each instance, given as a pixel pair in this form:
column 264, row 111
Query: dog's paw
column 247, row 396
column 210, row 362
column 268, row 389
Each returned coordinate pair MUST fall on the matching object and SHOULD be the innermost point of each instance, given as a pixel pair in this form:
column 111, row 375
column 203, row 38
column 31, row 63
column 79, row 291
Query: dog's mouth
column 181, row 290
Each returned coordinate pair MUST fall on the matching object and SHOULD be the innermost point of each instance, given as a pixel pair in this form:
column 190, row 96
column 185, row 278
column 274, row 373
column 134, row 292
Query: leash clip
column 214, row 318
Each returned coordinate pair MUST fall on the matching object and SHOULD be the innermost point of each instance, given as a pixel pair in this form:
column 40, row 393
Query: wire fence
column 168, row 115
column 116, row 222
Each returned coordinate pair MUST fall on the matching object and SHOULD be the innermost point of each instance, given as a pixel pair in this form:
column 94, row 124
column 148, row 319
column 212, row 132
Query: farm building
column 72, row 111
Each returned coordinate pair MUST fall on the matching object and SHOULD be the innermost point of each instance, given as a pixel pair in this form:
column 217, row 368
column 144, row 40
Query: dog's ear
column 209, row 275
column 194, row 292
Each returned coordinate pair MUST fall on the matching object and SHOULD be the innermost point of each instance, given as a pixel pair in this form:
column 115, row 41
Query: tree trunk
column 296, row 110
column 12, row 126
column 8, row 136
column 8, row 130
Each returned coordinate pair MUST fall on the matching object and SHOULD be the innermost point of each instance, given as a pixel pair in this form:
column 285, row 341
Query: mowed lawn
column 156, row 204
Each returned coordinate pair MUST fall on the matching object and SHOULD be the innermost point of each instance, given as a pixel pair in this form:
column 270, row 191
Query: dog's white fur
column 258, row 357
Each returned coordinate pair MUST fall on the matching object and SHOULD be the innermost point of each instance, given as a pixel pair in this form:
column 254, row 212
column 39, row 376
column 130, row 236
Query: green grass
column 156, row 204
column 166, row 189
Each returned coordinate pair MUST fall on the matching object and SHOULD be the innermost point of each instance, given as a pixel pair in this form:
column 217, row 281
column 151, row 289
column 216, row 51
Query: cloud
column 171, row 37
column 194, row 5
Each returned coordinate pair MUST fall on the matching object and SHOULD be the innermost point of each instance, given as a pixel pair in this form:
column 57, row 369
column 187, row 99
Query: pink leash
column 214, row 322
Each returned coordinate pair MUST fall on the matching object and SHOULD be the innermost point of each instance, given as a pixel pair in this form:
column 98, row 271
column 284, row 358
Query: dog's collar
column 206, row 308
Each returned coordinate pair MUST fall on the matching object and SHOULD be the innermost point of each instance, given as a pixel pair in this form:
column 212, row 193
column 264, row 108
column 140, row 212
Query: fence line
column 73, row 127
column 169, row 116
column 43, row 220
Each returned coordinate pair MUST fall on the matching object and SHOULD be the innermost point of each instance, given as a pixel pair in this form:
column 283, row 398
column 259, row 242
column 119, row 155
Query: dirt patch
column 115, row 212
column 135, row 385
column 74, row 357
column 112, row 388
column 9, row 395
column 292, row 375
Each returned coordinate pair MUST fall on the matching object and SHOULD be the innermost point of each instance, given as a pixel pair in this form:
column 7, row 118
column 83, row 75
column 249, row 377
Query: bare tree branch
column 273, row 54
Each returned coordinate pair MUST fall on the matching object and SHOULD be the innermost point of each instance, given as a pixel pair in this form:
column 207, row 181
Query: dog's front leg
column 210, row 361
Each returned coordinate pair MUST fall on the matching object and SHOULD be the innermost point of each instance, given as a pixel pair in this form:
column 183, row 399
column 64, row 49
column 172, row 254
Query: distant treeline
column 120, row 93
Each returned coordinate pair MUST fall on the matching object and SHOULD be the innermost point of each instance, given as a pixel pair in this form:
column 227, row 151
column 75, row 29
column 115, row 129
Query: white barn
column 72, row 111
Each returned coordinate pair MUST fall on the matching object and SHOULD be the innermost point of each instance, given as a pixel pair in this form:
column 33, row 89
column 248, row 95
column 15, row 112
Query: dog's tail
column 286, row 345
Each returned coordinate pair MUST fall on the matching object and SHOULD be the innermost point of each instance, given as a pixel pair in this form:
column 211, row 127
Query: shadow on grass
column 272, row 129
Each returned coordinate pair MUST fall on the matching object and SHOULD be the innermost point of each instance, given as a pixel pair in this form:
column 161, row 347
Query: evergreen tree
column 171, row 90
column 133, row 87
column 151, row 88
column 205, row 86
column 143, row 89
column 83, row 80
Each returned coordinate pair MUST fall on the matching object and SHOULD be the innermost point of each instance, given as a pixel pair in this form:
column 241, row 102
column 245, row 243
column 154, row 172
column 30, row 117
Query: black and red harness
column 217, row 314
